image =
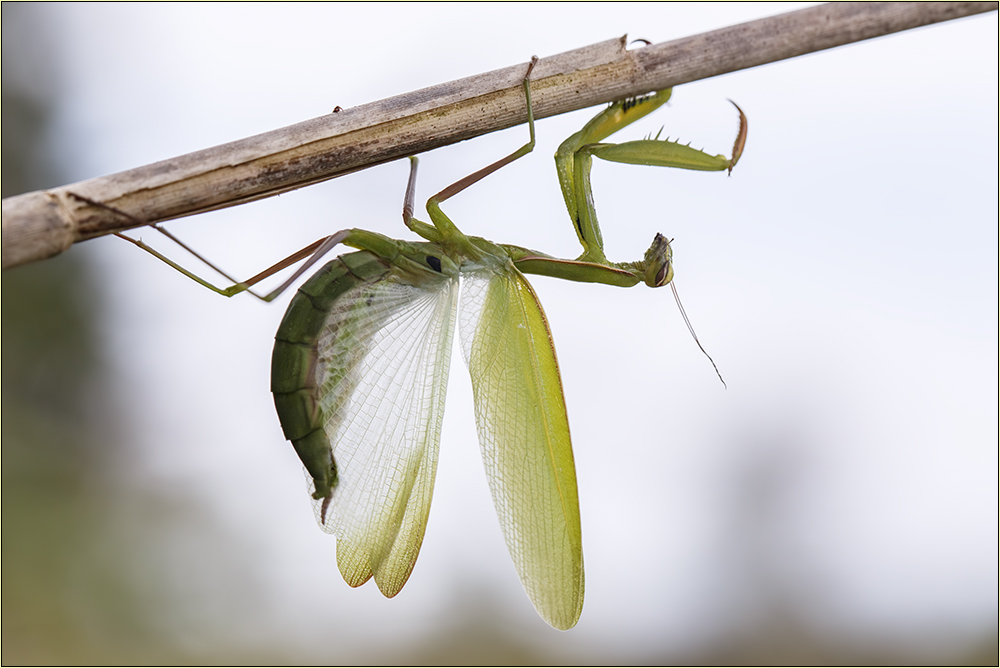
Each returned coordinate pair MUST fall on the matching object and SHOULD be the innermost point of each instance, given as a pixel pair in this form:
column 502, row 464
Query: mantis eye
column 664, row 275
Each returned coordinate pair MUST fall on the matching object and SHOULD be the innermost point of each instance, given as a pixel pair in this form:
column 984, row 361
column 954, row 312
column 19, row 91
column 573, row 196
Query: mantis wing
column 382, row 371
column 524, row 437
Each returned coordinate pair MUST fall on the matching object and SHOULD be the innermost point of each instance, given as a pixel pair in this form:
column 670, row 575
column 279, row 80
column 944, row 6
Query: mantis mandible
column 361, row 359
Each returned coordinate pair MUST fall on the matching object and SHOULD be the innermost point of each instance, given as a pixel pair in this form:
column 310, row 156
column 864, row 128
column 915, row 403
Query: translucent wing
column 524, row 436
column 382, row 371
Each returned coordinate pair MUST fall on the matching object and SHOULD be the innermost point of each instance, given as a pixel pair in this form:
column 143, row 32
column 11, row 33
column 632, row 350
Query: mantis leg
column 462, row 184
column 426, row 231
column 668, row 153
column 445, row 227
column 574, row 161
column 312, row 253
column 609, row 121
column 315, row 249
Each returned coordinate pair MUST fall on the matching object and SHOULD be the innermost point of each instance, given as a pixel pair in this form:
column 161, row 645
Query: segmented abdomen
column 293, row 363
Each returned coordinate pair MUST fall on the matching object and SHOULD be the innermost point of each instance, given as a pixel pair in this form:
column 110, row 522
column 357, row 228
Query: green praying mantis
column 361, row 360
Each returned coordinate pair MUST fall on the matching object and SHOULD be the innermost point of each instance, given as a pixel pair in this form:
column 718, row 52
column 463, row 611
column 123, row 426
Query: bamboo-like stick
column 41, row 224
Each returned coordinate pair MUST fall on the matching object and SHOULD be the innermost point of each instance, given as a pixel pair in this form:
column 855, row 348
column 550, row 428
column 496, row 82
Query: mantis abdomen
column 294, row 368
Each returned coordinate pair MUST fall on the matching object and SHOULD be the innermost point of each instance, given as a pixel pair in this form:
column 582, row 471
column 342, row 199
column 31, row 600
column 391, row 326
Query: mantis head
column 659, row 270
column 659, row 267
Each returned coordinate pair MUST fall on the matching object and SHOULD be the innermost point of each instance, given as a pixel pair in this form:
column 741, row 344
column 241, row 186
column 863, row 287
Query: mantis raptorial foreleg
column 609, row 121
column 573, row 161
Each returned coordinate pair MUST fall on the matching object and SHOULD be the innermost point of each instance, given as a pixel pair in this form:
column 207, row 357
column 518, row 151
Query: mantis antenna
column 677, row 298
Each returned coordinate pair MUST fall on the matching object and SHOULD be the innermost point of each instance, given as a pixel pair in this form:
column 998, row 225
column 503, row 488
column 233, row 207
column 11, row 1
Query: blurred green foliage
column 66, row 597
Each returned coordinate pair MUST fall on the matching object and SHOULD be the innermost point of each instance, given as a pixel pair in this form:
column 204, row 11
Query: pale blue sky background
column 844, row 279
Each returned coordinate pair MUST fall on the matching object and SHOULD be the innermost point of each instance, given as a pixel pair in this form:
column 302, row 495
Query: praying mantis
column 361, row 360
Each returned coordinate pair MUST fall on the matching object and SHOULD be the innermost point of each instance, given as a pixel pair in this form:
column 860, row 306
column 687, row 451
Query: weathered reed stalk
column 41, row 224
